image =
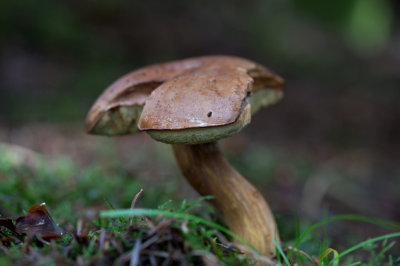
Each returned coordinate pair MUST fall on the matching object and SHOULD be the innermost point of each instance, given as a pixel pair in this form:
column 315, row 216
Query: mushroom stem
column 239, row 203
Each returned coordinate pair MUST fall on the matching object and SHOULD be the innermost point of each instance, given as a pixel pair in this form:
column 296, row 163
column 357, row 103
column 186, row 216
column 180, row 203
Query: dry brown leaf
column 38, row 222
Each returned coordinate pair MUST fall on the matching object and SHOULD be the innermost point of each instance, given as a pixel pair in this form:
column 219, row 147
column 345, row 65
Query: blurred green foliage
column 365, row 24
column 68, row 189
column 370, row 25
column 57, row 56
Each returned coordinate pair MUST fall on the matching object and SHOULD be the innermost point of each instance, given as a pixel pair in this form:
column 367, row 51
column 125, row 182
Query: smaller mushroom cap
column 118, row 108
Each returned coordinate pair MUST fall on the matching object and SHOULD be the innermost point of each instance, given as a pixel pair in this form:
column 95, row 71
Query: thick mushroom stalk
column 239, row 203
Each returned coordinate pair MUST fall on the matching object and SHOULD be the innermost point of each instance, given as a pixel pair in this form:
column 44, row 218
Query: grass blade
column 281, row 252
column 367, row 242
column 349, row 217
column 181, row 216
column 326, row 254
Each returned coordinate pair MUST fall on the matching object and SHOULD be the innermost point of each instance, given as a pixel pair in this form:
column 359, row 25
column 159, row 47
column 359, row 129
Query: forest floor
column 323, row 204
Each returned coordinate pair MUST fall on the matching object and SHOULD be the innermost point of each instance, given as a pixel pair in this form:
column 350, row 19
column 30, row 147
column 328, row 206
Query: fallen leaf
column 38, row 222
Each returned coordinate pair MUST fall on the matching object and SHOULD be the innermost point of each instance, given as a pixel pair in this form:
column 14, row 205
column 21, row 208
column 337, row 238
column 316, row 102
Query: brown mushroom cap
column 209, row 102
column 118, row 108
column 217, row 86
column 208, row 96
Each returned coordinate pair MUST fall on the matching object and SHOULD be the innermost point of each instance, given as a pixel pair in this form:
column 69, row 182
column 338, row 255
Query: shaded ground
column 302, row 182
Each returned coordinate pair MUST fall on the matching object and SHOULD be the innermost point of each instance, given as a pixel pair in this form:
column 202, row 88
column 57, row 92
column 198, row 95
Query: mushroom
column 191, row 104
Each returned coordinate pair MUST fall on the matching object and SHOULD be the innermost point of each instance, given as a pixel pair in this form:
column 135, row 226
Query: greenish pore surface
column 121, row 120
column 200, row 135
column 260, row 98
column 264, row 98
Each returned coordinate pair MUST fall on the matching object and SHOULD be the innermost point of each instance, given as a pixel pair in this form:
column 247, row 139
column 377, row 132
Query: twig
column 223, row 239
column 150, row 241
column 251, row 252
column 102, row 237
column 135, row 253
column 184, row 226
column 161, row 225
column 156, row 253
column 79, row 227
column 117, row 246
column 134, row 203
column 153, row 261
column 314, row 260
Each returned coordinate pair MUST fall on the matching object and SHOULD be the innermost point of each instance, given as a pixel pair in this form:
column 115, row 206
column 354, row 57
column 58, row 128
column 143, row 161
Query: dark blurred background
column 331, row 144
